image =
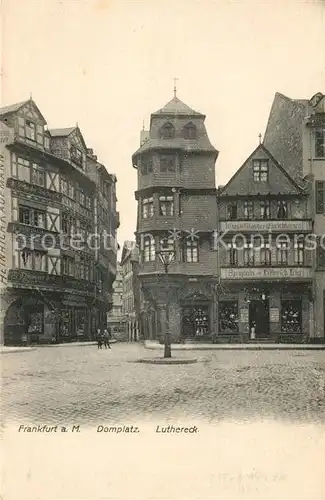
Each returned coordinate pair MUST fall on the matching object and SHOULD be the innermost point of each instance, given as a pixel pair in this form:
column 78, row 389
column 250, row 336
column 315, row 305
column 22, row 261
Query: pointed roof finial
column 260, row 137
column 142, row 124
column 175, row 88
column 77, row 125
column 30, row 96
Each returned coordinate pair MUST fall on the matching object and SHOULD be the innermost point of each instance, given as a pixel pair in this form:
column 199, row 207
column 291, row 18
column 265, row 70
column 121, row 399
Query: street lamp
column 166, row 255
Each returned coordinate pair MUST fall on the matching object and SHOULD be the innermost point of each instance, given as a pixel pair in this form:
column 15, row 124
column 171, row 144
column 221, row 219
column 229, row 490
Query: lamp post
column 166, row 255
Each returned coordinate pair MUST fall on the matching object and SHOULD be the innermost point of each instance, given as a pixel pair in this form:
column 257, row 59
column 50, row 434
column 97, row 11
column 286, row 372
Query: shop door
column 259, row 317
column 195, row 322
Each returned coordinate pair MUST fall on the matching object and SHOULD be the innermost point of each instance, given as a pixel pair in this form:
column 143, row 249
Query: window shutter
column 319, row 188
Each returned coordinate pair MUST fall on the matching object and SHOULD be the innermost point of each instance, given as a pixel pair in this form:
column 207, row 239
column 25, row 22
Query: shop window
column 320, row 143
column 260, row 170
column 265, row 209
column 191, row 250
column 248, row 209
column 282, row 210
column 228, row 317
column 166, row 205
column 147, row 208
column 149, row 252
column 291, row 316
column 232, row 210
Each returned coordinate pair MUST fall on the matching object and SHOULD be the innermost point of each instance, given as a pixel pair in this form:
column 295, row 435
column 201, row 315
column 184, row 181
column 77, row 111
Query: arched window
column 167, row 131
column 149, row 250
column 190, row 131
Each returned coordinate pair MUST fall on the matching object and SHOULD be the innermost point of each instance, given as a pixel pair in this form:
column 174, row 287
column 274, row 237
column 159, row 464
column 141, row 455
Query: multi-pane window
column 249, row 255
column 260, row 170
column 23, row 171
column 265, row 254
column 71, row 190
column 282, row 209
column 82, row 197
column 166, row 205
column 67, row 266
column 320, row 190
column 282, row 253
column 191, row 250
column 232, row 254
column 299, row 253
column 320, row 143
column 46, row 142
column 167, row 131
column 232, row 210
column 30, row 130
column 31, row 216
column 83, row 269
column 248, row 209
column 190, row 131
column 34, row 260
column 147, row 166
column 149, row 249
column 167, row 163
column 76, row 155
column 265, row 209
column 38, row 175
column 147, row 208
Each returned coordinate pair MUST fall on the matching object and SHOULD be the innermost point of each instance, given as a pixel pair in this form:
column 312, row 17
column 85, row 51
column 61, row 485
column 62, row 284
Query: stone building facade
column 295, row 135
column 177, row 200
column 59, row 273
column 129, row 268
column 115, row 317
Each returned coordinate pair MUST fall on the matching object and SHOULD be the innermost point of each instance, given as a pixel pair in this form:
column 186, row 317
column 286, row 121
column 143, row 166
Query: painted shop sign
column 244, row 315
column 264, row 272
column 288, row 225
column 274, row 315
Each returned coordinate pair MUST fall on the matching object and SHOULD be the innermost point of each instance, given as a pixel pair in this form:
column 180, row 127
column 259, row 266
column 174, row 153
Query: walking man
column 106, row 339
column 99, row 339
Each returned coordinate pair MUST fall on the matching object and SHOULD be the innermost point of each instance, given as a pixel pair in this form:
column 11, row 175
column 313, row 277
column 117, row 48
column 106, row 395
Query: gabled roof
column 12, row 108
column 176, row 107
column 262, row 148
column 61, row 132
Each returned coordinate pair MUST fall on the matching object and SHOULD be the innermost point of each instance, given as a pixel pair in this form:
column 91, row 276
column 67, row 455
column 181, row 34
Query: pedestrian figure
column 106, row 339
column 99, row 339
column 24, row 340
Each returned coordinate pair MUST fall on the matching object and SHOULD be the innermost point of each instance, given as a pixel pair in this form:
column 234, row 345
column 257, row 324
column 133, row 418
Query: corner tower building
column 177, row 200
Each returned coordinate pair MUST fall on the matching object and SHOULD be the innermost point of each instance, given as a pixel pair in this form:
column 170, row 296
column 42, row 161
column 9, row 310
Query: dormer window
column 260, row 170
column 30, row 130
column 190, row 131
column 76, row 156
column 167, row 131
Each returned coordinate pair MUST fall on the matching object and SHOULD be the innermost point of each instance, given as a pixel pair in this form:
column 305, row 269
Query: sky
column 108, row 64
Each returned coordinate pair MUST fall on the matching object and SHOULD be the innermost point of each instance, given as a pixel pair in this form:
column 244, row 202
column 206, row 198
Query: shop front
column 268, row 312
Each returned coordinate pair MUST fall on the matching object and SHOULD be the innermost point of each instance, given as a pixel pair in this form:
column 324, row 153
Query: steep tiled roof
column 61, row 132
column 11, row 108
column 176, row 107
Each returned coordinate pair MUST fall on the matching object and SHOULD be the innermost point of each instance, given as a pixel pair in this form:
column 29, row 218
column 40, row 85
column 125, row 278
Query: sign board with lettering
column 238, row 273
column 244, row 316
column 274, row 315
column 272, row 225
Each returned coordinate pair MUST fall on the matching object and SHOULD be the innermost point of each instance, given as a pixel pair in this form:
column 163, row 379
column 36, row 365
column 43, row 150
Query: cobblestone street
column 74, row 384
